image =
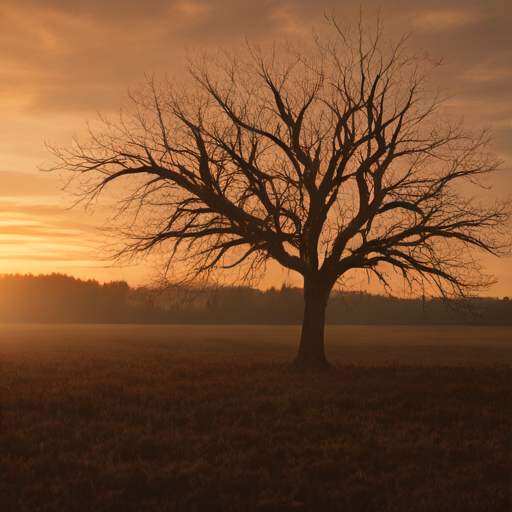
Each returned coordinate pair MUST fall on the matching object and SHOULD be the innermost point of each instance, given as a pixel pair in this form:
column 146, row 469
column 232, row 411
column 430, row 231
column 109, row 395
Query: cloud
column 54, row 257
column 16, row 183
column 72, row 55
column 32, row 231
column 23, row 232
column 44, row 215
column 443, row 20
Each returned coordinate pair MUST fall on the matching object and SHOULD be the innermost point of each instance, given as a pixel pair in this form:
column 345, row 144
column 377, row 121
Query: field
column 160, row 418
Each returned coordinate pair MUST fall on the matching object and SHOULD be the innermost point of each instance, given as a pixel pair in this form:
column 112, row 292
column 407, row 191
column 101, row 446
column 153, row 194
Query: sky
column 64, row 61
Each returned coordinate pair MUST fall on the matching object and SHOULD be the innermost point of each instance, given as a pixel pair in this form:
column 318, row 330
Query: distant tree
column 50, row 298
column 326, row 155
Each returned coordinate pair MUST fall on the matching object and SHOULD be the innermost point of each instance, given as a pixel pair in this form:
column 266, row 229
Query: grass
column 100, row 428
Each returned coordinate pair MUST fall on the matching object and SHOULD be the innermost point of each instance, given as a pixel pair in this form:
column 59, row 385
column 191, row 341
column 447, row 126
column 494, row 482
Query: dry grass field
column 161, row 418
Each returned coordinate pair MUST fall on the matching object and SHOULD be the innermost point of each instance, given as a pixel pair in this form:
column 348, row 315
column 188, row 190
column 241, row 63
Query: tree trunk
column 311, row 355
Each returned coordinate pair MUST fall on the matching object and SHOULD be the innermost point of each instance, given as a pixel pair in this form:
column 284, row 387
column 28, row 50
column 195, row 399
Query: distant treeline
column 58, row 298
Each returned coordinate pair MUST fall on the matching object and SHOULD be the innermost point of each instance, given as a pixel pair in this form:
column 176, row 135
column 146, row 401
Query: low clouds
column 36, row 229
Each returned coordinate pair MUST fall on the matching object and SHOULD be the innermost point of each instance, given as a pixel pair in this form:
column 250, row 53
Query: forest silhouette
column 59, row 298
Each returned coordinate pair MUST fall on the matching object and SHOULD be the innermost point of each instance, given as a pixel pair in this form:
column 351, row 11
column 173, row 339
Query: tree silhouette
column 326, row 155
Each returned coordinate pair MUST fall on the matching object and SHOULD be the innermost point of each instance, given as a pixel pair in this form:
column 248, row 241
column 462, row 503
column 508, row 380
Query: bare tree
column 327, row 155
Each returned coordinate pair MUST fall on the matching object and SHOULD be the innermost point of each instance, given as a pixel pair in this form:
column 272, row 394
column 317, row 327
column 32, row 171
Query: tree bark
column 311, row 355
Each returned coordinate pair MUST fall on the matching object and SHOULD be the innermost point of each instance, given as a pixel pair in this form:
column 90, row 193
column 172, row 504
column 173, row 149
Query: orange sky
column 62, row 61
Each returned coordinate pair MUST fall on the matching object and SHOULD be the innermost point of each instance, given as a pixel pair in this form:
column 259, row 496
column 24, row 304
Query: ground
column 212, row 418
